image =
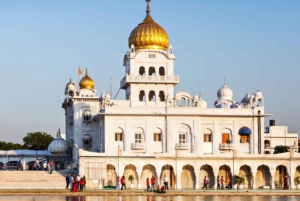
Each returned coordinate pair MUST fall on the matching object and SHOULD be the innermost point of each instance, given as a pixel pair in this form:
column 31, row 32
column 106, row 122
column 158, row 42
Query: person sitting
column 158, row 188
column 163, row 189
column 229, row 185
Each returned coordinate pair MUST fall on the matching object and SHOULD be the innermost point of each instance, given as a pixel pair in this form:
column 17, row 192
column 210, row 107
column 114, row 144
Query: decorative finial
column 70, row 79
column 148, row 6
column 224, row 80
column 86, row 71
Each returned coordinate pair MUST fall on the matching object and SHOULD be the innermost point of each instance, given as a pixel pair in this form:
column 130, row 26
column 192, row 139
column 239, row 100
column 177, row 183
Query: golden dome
column 86, row 82
column 149, row 35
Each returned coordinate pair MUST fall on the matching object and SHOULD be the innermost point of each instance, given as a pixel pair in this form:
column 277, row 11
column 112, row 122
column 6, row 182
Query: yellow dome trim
column 86, row 82
column 149, row 34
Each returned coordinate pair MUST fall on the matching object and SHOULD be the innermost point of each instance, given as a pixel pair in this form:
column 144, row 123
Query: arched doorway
column 147, row 172
column 263, row 176
column 225, row 172
column 245, row 172
column 280, row 173
column 111, row 175
column 207, row 170
column 131, row 170
column 168, row 170
column 188, row 177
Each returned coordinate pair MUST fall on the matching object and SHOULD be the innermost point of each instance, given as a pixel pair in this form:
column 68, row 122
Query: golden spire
column 148, row 34
column 86, row 82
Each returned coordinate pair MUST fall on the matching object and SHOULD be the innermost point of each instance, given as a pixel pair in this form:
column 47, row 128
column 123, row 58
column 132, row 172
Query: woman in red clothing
column 81, row 183
column 75, row 186
column 148, row 184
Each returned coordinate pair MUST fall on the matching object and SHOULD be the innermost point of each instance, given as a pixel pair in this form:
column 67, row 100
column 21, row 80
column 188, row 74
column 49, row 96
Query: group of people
column 220, row 183
column 159, row 189
column 75, row 183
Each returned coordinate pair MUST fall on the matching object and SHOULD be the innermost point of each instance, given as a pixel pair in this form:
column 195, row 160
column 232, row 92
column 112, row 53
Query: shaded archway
column 152, row 71
column 131, row 170
column 188, row 177
column 161, row 71
column 142, row 70
column 280, row 173
column 207, row 170
column 245, row 172
column 168, row 170
column 297, row 174
column 147, row 172
column 263, row 176
column 142, row 95
column 225, row 172
column 111, row 175
column 152, row 96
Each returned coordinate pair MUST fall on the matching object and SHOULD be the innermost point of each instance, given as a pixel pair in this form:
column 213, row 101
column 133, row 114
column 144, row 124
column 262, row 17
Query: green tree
column 10, row 146
column 281, row 149
column 37, row 141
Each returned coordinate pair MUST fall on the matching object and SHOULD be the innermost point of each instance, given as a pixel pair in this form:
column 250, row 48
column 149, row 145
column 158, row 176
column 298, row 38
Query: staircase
column 33, row 180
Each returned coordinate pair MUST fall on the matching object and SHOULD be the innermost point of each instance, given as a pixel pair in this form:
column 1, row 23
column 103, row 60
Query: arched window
column 207, row 135
column 182, row 102
column 118, row 134
column 161, row 96
column 87, row 140
column 142, row 70
column 157, row 135
column 267, row 143
column 244, row 133
column 182, row 135
column 71, row 93
column 162, row 71
column 142, row 95
column 152, row 96
column 152, row 71
column 87, row 116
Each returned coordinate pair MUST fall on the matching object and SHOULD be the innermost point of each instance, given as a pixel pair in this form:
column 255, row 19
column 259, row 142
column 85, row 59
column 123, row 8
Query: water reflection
column 149, row 198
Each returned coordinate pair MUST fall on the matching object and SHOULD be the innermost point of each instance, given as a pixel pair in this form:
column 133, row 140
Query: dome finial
column 148, row 6
column 86, row 71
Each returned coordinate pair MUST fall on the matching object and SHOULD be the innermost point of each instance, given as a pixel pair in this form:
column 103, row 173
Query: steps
column 32, row 180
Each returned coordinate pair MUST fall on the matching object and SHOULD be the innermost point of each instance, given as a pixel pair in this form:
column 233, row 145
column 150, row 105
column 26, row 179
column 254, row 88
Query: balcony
column 183, row 146
column 148, row 79
column 225, row 146
column 138, row 146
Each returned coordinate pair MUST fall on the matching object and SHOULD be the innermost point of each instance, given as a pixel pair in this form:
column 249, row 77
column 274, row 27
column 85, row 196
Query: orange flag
column 79, row 71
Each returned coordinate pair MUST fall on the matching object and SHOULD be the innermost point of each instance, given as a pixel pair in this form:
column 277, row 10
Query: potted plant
column 241, row 183
column 297, row 182
column 236, row 180
column 131, row 179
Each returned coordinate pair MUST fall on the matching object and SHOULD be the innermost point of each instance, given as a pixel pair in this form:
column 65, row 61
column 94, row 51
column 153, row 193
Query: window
column 142, row 95
column 225, row 138
column 118, row 137
column 152, row 71
column 142, row 70
column 87, row 140
column 244, row 138
column 207, row 137
column 138, row 138
column 87, row 115
column 161, row 71
column 182, row 138
column 161, row 96
column 152, row 96
column 157, row 137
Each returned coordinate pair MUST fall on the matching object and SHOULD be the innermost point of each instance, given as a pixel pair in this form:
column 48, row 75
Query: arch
column 263, row 176
column 267, row 152
column 245, row 172
column 87, row 115
column 168, row 170
column 188, row 177
column 244, row 133
column 152, row 96
column 152, row 71
column 297, row 174
column 111, row 175
column 142, row 96
column 225, row 172
column 267, row 143
column 147, row 172
column 207, row 170
column 142, row 70
column 131, row 170
column 161, row 71
column 161, row 96
column 183, row 102
column 71, row 93
column 280, row 173
column 139, row 135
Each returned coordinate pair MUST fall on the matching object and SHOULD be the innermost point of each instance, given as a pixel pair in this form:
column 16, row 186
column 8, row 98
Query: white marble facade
column 156, row 130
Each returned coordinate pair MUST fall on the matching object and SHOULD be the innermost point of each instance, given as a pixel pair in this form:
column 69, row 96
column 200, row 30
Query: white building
column 156, row 132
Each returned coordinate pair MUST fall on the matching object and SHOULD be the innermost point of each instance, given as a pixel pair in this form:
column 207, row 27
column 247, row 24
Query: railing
column 225, row 146
column 138, row 146
column 149, row 78
column 182, row 146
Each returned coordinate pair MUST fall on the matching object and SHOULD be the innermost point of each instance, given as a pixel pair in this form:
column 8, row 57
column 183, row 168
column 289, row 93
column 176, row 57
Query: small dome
column 58, row 146
column 225, row 93
column 183, row 93
column 86, row 82
column 258, row 94
column 70, row 87
column 202, row 103
column 107, row 96
column 149, row 35
column 196, row 97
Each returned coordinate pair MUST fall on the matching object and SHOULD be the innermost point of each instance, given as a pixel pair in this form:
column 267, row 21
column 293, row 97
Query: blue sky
column 254, row 44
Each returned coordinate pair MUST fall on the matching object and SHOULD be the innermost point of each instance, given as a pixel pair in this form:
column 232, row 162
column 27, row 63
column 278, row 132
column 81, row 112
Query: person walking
column 71, row 182
column 37, row 164
column 45, row 166
column 81, row 184
column 218, row 183
column 123, row 183
column 152, row 183
column 148, row 184
column 118, row 183
column 205, row 181
column 166, row 182
column 67, row 181
column 222, row 183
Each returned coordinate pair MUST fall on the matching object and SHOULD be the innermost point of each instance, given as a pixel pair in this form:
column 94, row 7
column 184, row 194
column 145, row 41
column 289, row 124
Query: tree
column 281, row 149
column 37, row 141
column 9, row 146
